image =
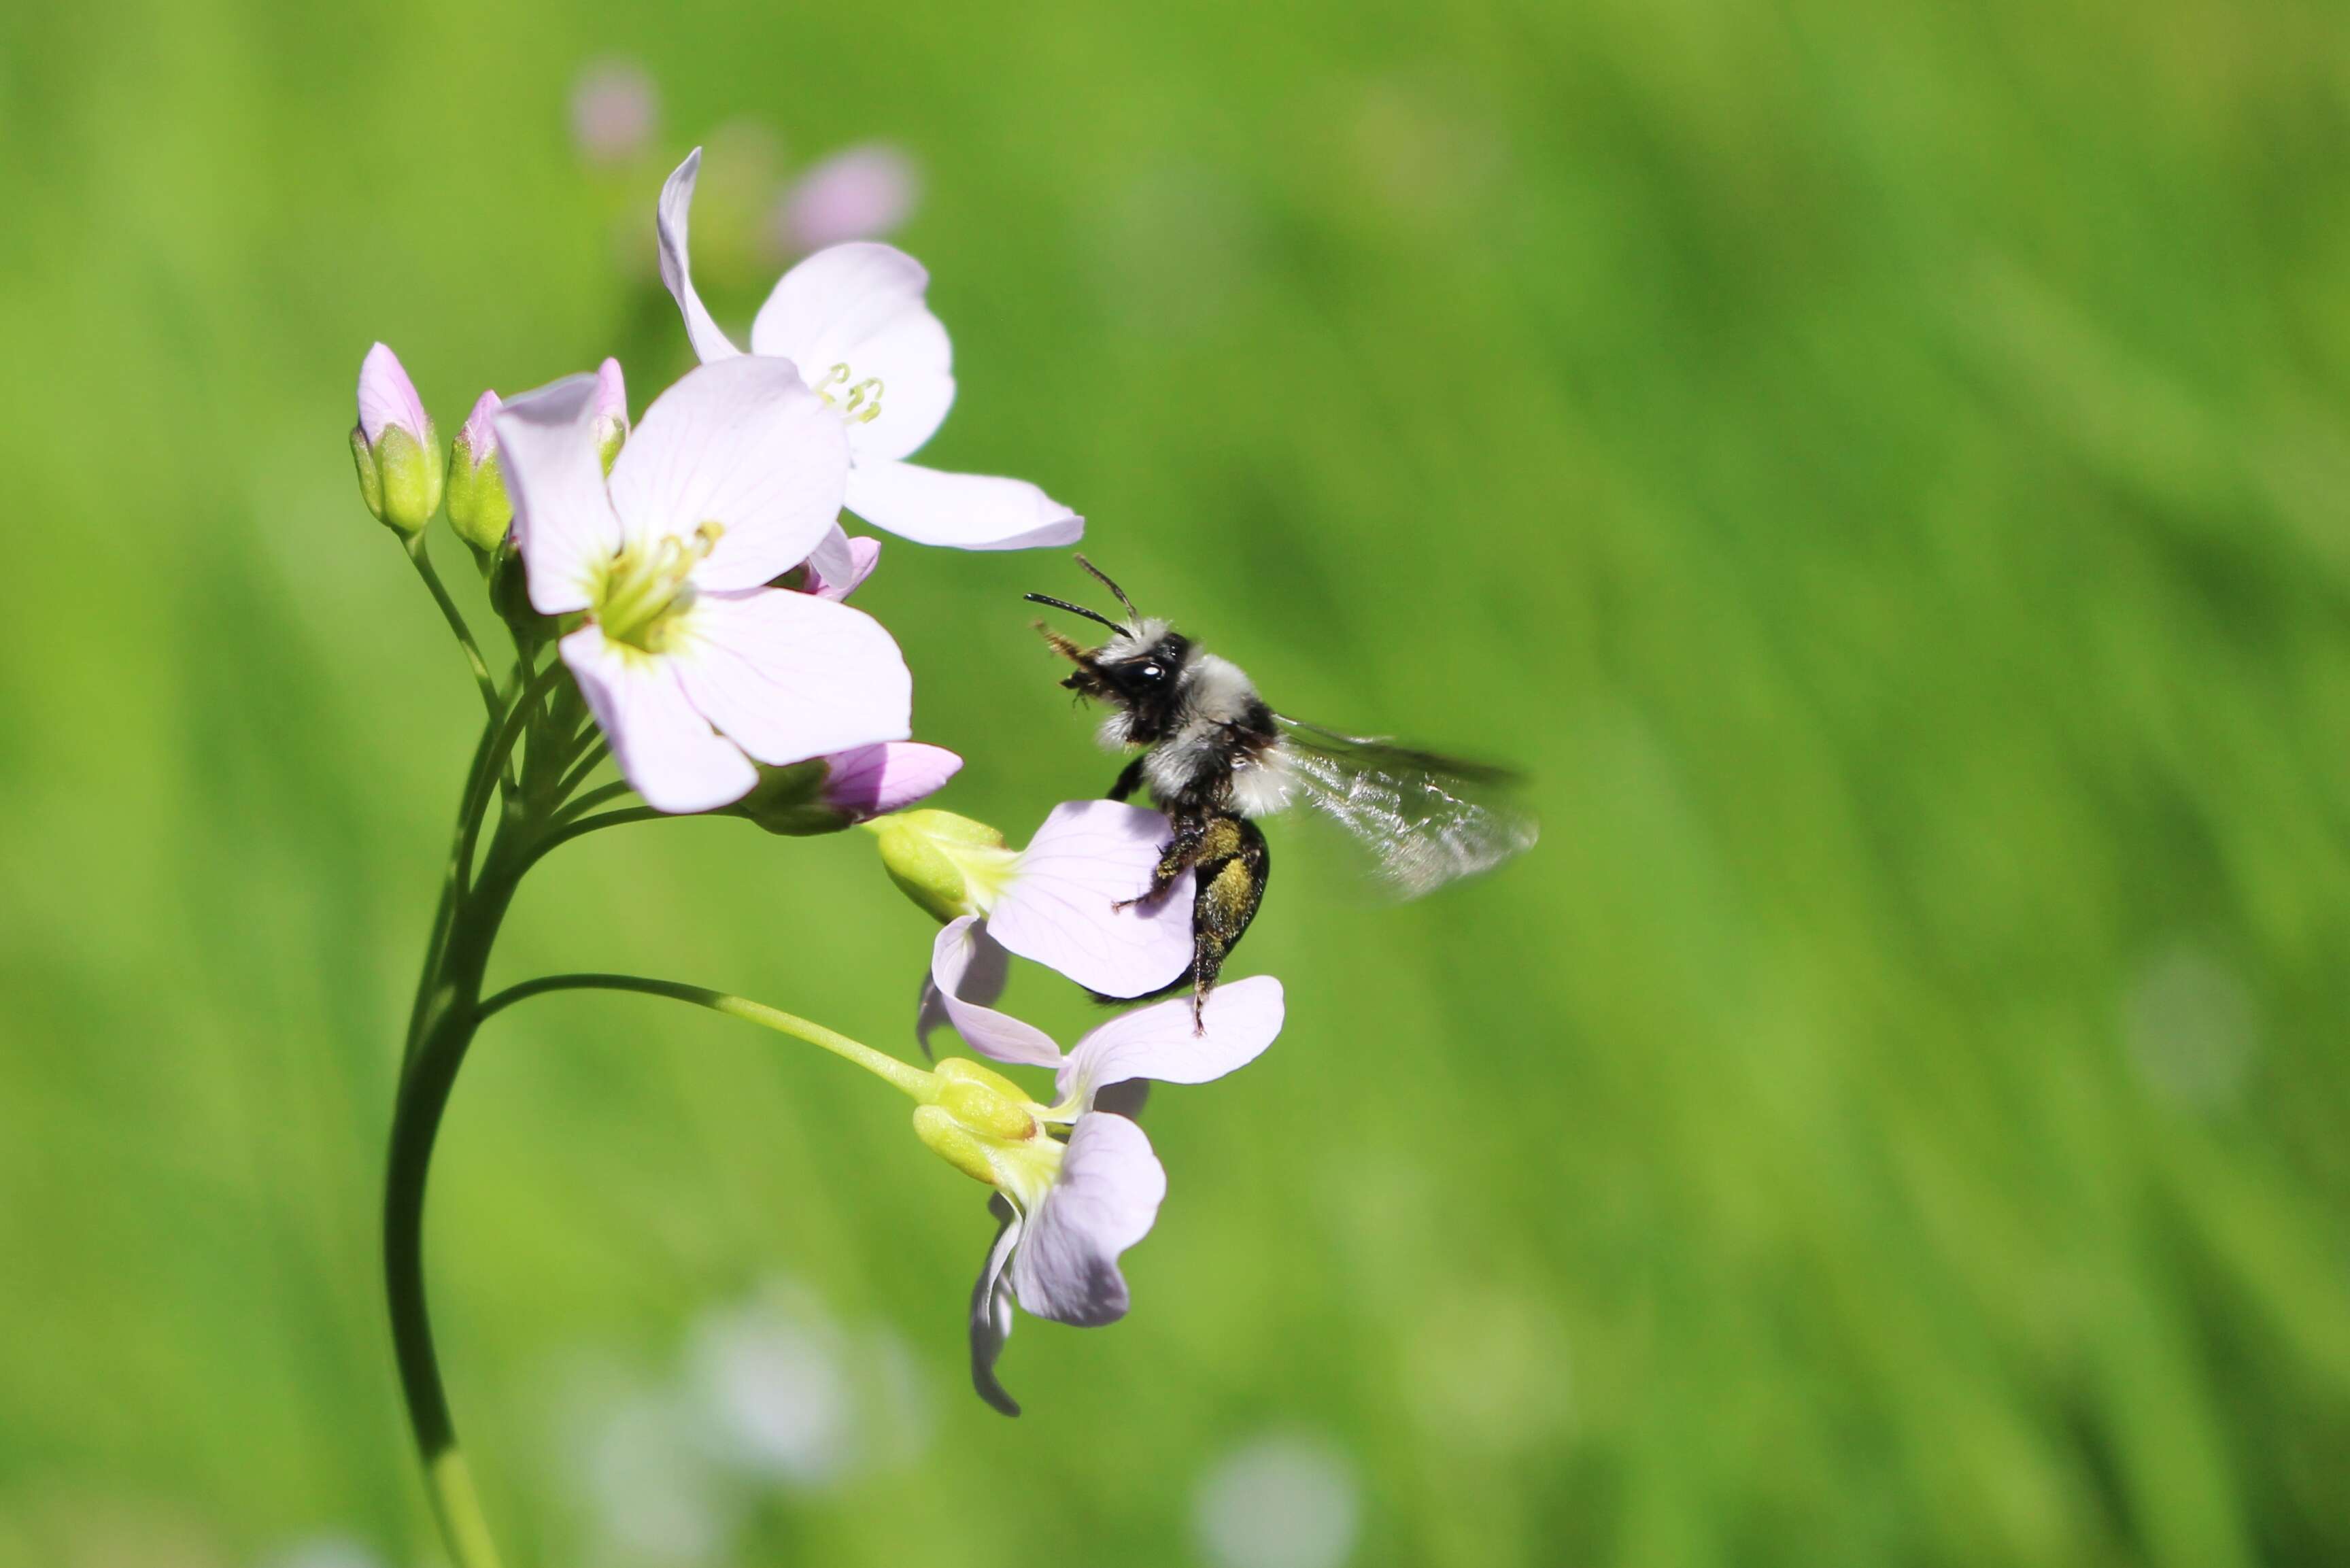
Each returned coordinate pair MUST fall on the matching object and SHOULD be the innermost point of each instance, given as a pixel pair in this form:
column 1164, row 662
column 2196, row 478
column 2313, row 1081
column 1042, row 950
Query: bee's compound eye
column 1152, row 672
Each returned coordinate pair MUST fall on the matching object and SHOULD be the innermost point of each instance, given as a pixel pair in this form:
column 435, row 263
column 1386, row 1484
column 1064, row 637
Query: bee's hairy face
column 1142, row 680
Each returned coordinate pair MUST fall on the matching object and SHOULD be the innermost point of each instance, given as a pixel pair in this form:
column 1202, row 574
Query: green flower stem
column 581, row 827
column 456, row 620
column 903, row 1075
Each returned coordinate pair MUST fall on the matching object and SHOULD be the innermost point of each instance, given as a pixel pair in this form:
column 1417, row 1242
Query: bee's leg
column 1182, row 852
column 1129, row 780
column 1232, row 885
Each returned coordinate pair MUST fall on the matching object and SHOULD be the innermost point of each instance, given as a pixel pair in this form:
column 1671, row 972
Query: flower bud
column 825, row 794
column 478, row 507
column 394, row 446
column 611, row 412
column 948, row 865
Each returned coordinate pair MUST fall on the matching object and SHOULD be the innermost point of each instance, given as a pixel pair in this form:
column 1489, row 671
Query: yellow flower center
column 648, row 585
column 860, row 401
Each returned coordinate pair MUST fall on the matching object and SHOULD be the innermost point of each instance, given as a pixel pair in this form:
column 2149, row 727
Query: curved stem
column 578, row 809
column 587, row 764
column 904, row 1075
column 456, row 620
column 584, row 827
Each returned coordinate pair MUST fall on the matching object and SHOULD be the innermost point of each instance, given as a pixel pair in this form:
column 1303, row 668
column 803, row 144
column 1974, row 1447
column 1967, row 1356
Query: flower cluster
column 676, row 589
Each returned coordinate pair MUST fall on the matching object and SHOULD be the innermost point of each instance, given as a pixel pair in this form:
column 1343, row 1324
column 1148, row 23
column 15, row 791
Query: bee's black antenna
column 1073, row 610
column 1112, row 586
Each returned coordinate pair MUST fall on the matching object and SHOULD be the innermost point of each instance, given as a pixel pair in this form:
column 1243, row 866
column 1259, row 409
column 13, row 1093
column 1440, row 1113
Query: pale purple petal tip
column 1060, row 909
column 990, row 1309
column 1241, row 1018
column 996, row 1035
column 871, row 781
column 988, row 969
column 475, row 437
column 1105, row 1199
column 387, row 397
column 613, row 110
column 862, row 193
column 863, row 555
column 611, row 396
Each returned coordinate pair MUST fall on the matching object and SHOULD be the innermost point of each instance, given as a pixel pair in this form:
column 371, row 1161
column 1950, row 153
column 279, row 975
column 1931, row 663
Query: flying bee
column 1215, row 757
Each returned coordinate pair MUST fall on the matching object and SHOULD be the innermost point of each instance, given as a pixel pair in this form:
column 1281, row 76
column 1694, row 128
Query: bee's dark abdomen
column 1233, row 865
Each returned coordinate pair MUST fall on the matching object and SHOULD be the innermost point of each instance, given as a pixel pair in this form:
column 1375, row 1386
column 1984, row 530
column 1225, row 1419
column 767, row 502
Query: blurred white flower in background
column 2190, row 1026
column 614, row 112
column 1278, row 1502
column 648, row 1491
column 771, row 1385
column 862, row 192
column 324, row 1551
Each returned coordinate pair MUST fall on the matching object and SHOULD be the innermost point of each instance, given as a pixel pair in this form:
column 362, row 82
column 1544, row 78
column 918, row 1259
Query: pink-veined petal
column 869, row 781
column 835, row 574
column 1060, row 907
column 860, row 307
column 1241, row 1018
column 742, row 444
column 387, row 397
column 665, row 749
column 787, row 677
column 1107, row 1195
column 998, row 1036
column 563, row 520
column 677, row 265
column 985, row 970
column 991, row 1308
column 962, row 511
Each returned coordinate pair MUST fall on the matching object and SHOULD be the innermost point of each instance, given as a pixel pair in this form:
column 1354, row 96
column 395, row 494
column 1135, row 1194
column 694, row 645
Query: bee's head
column 1138, row 670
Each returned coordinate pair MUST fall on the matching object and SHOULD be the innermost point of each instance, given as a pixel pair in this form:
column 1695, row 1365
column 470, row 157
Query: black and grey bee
column 1216, row 758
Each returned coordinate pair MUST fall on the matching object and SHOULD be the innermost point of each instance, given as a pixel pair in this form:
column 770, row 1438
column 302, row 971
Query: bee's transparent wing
column 1425, row 819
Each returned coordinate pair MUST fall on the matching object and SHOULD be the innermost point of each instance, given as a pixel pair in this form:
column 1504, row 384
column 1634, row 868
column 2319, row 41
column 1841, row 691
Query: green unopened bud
column 394, row 446
column 510, row 596
column 478, row 508
column 611, row 412
column 792, row 801
column 948, row 865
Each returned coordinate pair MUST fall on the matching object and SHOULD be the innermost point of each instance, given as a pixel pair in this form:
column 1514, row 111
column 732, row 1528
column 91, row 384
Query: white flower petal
column 1065, row 1267
column 789, row 677
column 861, row 305
column 990, row 1309
column 964, row 511
column 563, row 520
column 677, row 266
column 1060, row 909
column 1242, row 1019
column 957, row 954
column 985, row 969
column 742, row 444
column 665, row 749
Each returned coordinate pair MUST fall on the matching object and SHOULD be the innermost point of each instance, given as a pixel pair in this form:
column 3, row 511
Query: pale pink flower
column 694, row 668
column 860, row 193
column 614, row 111
column 1067, row 1212
column 853, row 319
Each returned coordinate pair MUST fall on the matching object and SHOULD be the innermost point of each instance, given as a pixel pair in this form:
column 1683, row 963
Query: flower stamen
column 648, row 585
column 861, row 402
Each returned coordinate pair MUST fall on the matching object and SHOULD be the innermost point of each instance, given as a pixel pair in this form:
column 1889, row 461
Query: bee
column 1216, row 757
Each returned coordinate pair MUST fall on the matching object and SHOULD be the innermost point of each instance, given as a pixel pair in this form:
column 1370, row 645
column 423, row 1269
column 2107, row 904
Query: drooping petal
column 787, row 677
column 867, row 781
column 854, row 314
column 840, row 564
column 986, row 968
column 677, row 265
column 963, row 511
column 665, row 749
column 1242, row 1019
column 1060, row 909
column 387, row 397
column 996, row 1035
column 562, row 522
column 991, row 1308
column 1107, row 1195
column 740, row 444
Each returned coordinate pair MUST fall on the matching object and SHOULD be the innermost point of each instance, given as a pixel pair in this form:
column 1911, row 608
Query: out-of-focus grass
column 1881, row 470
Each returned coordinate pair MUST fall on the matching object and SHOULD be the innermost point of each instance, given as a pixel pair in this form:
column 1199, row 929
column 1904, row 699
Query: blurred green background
column 1882, row 470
